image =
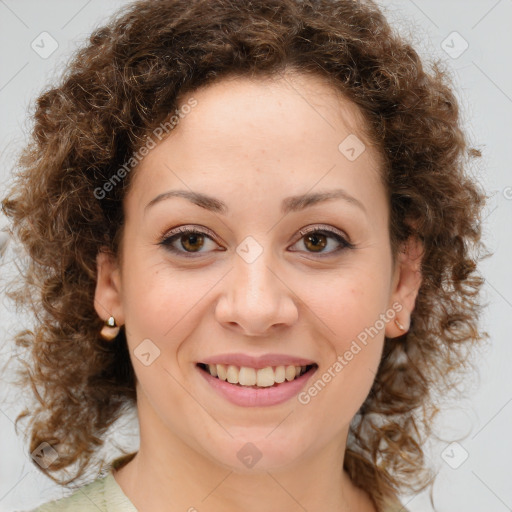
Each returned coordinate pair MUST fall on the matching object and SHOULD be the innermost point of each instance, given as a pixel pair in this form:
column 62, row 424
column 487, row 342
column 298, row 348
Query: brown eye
column 187, row 242
column 315, row 241
column 317, row 238
column 192, row 242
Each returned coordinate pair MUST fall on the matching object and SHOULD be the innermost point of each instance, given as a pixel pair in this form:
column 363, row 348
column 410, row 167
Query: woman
column 253, row 223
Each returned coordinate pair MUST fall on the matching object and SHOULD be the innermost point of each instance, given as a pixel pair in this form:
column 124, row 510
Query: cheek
column 354, row 316
column 352, row 305
column 162, row 308
column 163, row 303
column 354, row 310
column 150, row 291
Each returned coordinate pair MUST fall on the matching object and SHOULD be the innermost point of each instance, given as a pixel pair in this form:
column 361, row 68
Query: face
column 256, row 276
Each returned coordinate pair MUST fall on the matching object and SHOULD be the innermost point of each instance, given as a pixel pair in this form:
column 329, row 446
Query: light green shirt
column 102, row 495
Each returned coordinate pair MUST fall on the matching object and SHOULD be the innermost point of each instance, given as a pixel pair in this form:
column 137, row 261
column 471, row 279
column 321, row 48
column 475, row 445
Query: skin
column 251, row 143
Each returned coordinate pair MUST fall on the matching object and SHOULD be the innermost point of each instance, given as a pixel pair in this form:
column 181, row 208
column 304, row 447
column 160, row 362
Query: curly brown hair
column 122, row 84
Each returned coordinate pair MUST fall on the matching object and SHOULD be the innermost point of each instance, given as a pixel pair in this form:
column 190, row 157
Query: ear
column 406, row 283
column 107, row 297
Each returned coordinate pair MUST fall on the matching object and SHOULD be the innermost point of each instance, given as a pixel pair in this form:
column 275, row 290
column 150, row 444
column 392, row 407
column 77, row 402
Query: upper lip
column 258, row 362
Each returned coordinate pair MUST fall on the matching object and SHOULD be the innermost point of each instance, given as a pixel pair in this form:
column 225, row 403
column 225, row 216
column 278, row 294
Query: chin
column 253, row 454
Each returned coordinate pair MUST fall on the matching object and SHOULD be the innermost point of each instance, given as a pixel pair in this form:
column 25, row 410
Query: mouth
column 256, row 378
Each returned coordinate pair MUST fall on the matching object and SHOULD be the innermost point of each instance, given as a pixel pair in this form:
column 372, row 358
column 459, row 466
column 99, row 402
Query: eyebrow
column 289, row 204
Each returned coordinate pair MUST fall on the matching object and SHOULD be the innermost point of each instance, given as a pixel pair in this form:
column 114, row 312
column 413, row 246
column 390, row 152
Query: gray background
column 480, row 423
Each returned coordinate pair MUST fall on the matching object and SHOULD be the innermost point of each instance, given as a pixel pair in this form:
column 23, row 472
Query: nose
column 256, row 300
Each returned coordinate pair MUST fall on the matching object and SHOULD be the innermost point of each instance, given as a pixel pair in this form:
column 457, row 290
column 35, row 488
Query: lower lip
column 262, row 397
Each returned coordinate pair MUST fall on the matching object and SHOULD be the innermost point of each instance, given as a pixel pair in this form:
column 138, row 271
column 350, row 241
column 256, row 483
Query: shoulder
column 102, row 495
column 90, row 497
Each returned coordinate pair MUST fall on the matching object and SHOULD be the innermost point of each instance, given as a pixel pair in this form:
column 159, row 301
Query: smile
column 253, row 377
column 249, row 386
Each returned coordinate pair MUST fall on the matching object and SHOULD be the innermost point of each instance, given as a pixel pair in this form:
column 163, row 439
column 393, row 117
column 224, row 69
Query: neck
column 168, row 474
column 169, row 470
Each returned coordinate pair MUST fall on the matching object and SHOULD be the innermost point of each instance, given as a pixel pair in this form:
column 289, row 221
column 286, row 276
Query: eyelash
column 321, row 229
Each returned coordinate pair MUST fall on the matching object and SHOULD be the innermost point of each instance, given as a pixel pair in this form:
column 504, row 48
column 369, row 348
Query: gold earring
column 399, row 325
column 110, row 330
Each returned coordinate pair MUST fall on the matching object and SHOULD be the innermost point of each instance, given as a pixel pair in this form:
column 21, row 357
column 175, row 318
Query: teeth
column 221, row 371
column 232, row 374
column 247, row 377
column 280, row 375
column 264, row 377
column 290, row 373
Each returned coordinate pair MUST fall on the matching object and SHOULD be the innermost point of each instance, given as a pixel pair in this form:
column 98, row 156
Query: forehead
column 288, row 132
column 283, row 108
